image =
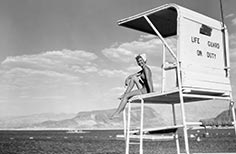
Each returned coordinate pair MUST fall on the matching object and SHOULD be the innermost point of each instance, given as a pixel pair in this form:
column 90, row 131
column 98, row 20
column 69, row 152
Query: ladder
column 127, row 131
column 140, row 133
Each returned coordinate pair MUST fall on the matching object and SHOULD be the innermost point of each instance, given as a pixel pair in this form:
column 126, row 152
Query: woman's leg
column 133, row 81
column 128, row 84
column 124, row 101
column 129, row 94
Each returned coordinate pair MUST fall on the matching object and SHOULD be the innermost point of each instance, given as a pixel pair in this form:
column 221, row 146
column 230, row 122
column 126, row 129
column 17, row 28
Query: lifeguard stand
column 200, row 70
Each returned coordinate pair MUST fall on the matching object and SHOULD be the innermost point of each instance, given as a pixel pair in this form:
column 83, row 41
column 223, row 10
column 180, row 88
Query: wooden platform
column 173, row 97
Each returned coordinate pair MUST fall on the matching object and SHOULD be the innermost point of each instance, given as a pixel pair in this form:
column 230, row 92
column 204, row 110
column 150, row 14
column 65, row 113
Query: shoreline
column 57, row 129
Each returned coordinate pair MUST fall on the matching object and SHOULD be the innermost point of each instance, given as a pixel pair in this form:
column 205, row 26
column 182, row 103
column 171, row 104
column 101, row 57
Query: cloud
column 133, row 68
column 232, row 55
column 126, row 52
column 49, row 97
column 232, row 16
column 116, row 91
column 118, row 54
column 232, row 52
column 113, row 73
column 146, row 36
column 232, row 49
column 148, row 44
column 66, row 61
column 51, row 73
column 229, row 15
column 22, row 73
column 84, row 69
column 234, row 21
column 232, row 39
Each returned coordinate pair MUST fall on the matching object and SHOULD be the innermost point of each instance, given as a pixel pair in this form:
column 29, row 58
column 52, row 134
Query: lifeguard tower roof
column 165, row 19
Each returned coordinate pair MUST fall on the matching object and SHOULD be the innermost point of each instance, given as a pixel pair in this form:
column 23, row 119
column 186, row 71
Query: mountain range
column 96, row 120
column 28, row 121
column 83, row 120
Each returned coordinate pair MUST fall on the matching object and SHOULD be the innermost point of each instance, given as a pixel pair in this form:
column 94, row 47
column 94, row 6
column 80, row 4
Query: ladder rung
column 134, row 143
column 133, row 131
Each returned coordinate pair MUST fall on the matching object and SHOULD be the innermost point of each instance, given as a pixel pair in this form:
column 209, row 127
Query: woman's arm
column 148, row 75
column 130, row 76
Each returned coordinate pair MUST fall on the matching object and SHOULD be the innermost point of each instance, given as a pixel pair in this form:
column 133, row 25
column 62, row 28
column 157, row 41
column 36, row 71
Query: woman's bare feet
column 121, row 97
column 114, row 115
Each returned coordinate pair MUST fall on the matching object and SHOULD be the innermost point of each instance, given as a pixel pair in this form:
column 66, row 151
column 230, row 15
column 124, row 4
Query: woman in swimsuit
column 142, row 80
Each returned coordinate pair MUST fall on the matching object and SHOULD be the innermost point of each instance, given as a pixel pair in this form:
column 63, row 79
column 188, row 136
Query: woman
column 142, row 80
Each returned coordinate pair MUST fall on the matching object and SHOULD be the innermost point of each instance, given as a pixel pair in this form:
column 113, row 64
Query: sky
column 67, row 56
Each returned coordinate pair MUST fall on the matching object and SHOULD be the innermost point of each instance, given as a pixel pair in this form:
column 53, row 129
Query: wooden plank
column 171, row 97
column 162, row 128
column 149, row 137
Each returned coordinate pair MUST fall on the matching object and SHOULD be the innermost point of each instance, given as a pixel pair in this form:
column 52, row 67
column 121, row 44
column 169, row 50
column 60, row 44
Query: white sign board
column 201, row 45
column 202, row 57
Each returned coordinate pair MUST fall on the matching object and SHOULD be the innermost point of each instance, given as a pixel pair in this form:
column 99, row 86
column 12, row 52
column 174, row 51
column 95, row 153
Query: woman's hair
column 143, row 56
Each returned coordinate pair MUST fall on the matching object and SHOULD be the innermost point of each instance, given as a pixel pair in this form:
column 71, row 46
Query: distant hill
column 223, row 119
column 28, row 121
column 97, row 120
column 91, row 119
column 100, row 119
